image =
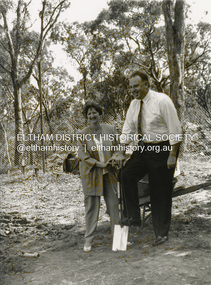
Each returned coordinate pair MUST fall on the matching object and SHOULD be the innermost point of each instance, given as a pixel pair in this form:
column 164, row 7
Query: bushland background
column 42, row 222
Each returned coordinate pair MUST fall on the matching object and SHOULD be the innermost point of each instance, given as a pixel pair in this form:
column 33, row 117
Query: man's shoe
column 125, row 222
column 136, row 223
column 160, row 240
column 87, row 248
column 131, row 222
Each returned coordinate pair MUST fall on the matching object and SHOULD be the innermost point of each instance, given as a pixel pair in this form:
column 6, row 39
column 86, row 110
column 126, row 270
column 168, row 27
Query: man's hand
column 171, row 161
column 117, row 160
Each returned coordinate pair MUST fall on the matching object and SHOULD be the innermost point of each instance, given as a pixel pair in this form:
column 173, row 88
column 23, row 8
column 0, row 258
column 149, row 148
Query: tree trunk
column 41, row 115
column 13, row 46
column 175, row 32
column 6, row 144
column 19, row 131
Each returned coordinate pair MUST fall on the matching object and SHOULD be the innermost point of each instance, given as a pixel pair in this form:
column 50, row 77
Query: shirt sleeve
column 169, row 113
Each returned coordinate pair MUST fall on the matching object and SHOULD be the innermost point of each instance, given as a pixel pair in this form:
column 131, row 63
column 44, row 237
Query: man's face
column 138, row 87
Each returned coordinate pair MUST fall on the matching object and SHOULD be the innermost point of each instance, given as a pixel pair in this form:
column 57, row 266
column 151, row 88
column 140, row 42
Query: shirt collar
column 146, row 98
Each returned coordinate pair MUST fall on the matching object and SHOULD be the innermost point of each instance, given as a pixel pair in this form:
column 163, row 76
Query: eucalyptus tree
column 6, row 114
column 23, row 48
column 130, row 34
column 198, row 66
column 139, row 27
column 76, row 45
column 55, row 86
column 174, row 12
column 89, row 52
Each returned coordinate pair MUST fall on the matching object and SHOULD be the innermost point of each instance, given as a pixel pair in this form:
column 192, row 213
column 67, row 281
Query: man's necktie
column 139, row 123
column 140, row 117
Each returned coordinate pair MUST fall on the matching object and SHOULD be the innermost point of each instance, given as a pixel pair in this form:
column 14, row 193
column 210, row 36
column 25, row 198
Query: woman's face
column 93, row 116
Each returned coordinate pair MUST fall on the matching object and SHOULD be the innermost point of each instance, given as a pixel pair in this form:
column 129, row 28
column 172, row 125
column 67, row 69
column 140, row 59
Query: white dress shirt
column 159, row 120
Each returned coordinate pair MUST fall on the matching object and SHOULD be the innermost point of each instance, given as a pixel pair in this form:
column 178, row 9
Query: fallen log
column 179, row 191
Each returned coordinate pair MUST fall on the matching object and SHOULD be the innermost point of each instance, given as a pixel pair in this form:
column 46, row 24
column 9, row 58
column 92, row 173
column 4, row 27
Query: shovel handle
column 120, row 200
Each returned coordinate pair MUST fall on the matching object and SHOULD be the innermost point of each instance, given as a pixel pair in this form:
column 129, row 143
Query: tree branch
column 43, row 35
column 10, row 43
column 48, row 26
column 6, row 70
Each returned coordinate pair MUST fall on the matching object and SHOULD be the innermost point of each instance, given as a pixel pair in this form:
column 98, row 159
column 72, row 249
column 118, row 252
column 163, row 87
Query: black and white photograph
column 105, row 142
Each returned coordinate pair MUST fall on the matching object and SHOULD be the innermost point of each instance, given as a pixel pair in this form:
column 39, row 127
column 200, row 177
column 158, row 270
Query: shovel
column 120, row 236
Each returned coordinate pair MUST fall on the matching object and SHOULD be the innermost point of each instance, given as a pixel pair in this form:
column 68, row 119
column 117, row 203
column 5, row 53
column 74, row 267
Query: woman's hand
column 101, row 164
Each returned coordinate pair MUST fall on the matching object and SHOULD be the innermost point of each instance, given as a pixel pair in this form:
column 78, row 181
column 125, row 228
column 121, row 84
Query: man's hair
column 140, row 73
column 92, row 104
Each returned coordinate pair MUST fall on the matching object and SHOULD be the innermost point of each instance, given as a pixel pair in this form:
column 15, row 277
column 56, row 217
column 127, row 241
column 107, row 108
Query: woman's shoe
column 87, row 248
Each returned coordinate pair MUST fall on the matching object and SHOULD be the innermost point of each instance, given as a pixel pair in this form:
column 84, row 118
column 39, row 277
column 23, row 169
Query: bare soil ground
column 42, row 227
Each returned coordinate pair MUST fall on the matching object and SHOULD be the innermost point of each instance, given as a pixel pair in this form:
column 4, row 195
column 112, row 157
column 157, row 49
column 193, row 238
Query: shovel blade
column 120, row 238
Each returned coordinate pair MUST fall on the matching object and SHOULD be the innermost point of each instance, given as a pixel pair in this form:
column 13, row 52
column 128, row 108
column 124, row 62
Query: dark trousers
column 153, row 163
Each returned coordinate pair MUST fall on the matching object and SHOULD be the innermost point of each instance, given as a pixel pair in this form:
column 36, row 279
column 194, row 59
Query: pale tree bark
column 6, row 143
column 175, row 31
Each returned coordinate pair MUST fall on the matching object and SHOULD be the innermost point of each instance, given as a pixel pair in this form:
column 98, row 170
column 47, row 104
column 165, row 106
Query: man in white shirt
column 158, row 125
